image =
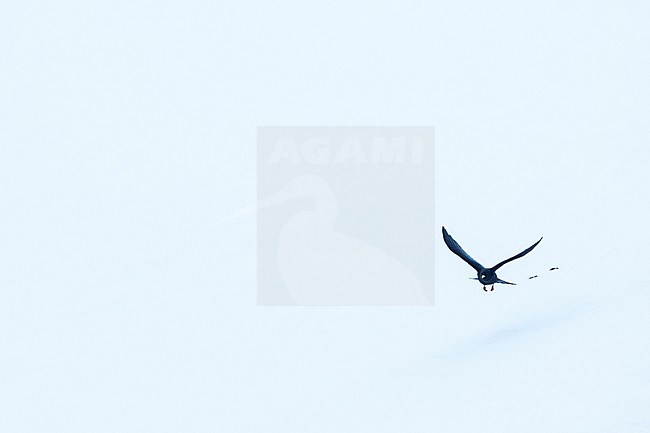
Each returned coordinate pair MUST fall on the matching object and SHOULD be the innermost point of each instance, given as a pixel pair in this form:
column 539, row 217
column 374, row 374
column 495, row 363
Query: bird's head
column 487, row 276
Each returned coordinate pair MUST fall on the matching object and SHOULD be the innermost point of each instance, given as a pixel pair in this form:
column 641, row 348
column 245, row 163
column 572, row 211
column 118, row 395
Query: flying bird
column 487, row 276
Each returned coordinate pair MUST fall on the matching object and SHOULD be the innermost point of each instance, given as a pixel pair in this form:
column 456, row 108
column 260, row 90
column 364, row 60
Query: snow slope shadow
column 514, row 332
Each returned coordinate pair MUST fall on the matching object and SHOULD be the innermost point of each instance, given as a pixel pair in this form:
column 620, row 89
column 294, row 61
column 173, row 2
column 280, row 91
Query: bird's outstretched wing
column 499, row 280
column 456, row 249
column 521, row 254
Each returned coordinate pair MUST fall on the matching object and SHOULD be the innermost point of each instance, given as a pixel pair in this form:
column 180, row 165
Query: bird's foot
column 484, row 289
column 492, row 289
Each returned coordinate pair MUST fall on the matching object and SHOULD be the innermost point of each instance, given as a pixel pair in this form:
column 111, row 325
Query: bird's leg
column 484, row 289
column 492, row 289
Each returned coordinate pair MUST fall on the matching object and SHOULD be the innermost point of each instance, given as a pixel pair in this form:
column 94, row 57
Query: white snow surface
column 128, row 129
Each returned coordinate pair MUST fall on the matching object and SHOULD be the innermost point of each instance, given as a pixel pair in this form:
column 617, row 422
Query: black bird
column 487, row 276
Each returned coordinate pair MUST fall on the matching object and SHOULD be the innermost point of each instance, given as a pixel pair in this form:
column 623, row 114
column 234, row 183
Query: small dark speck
column 534, row 276
column 552, row 269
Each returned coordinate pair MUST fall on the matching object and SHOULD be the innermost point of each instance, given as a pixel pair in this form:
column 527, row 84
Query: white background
column 128, row 128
